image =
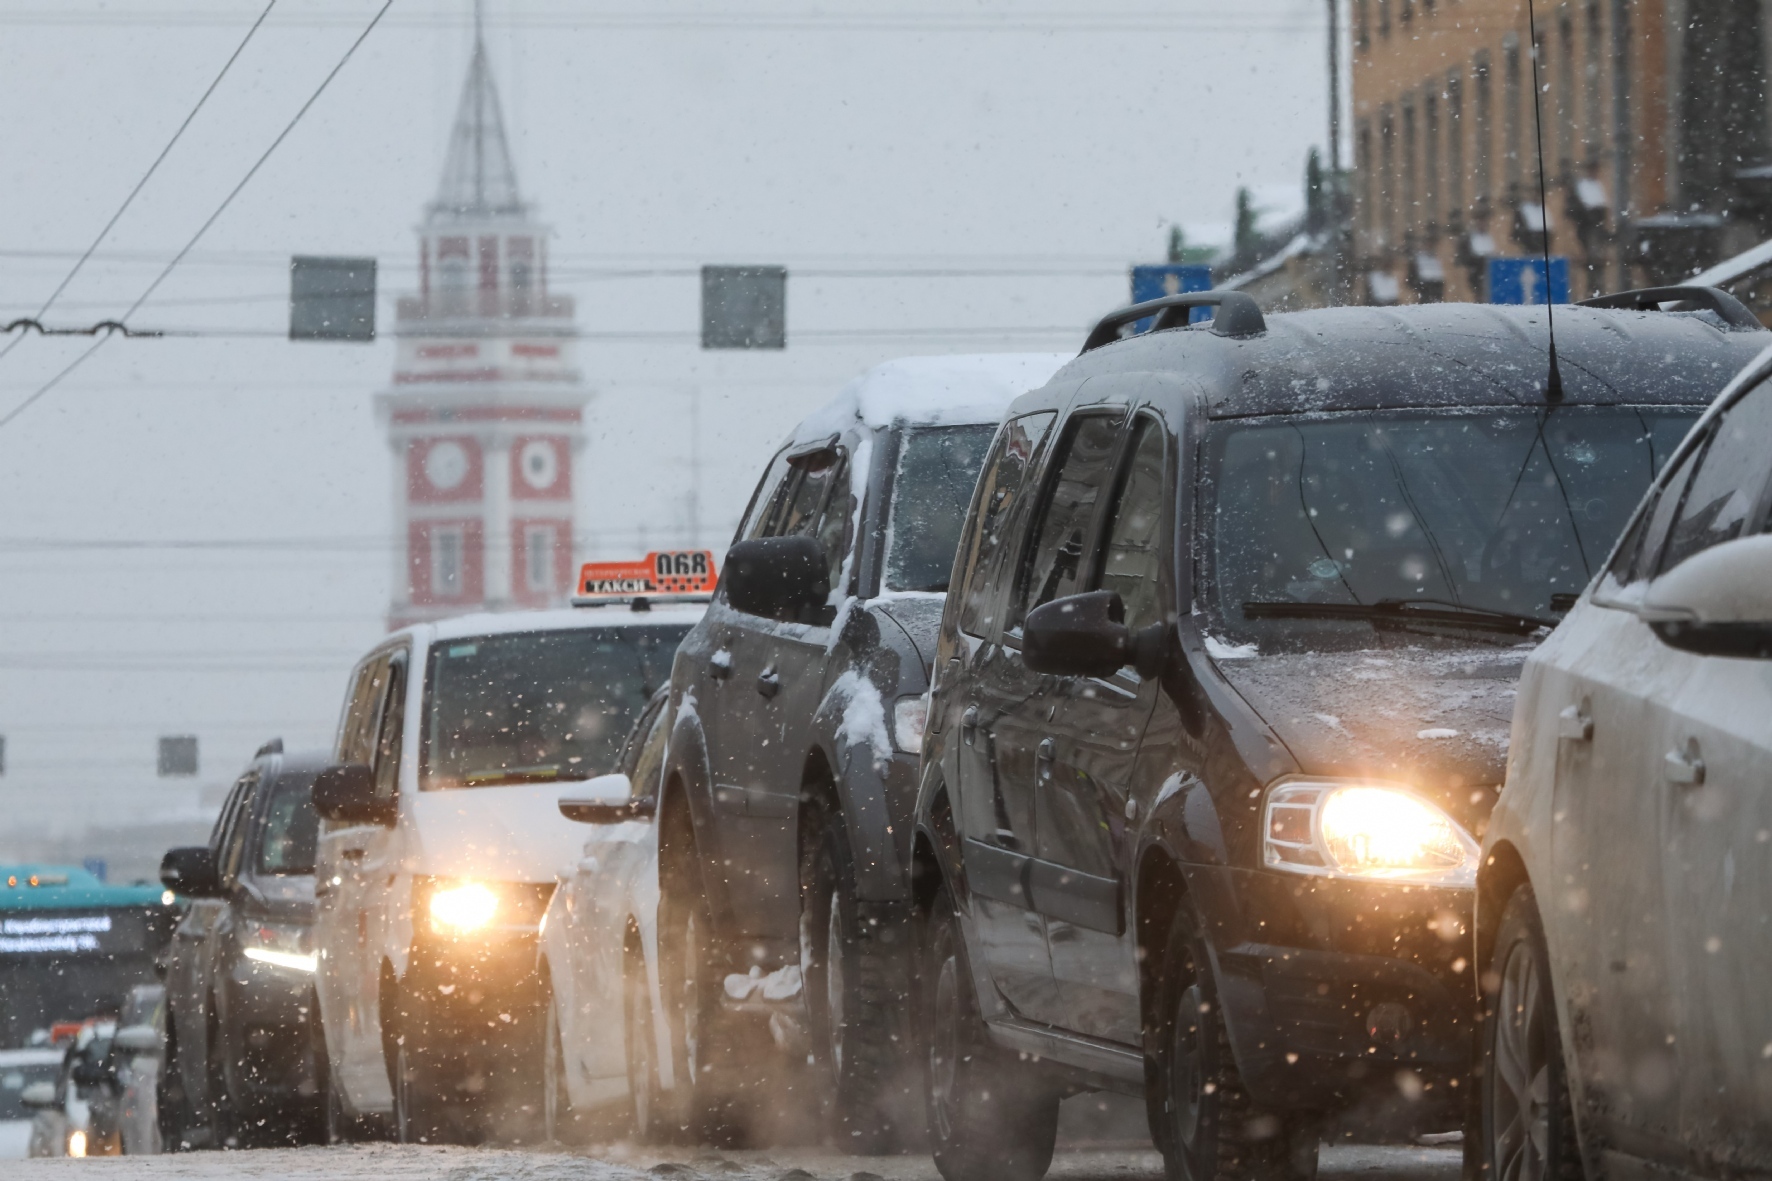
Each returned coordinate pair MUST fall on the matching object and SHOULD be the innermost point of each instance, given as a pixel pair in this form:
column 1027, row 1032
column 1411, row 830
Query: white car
column 19, row 1069
column 439, row 847
column 1625, row 901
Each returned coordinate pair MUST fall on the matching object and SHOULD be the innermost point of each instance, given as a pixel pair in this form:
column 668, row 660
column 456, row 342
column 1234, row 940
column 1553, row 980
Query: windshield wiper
column 1403, row 611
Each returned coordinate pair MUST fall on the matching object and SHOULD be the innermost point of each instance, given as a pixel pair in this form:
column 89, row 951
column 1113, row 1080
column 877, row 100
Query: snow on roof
column 1731, row 269
column 933, row 391
column 493, row 623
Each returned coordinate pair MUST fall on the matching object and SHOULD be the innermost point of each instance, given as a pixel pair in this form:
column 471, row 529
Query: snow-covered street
column 390, row 1162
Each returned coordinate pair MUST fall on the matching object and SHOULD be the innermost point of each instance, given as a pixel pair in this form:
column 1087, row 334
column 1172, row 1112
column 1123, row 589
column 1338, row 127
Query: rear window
column 937, row 471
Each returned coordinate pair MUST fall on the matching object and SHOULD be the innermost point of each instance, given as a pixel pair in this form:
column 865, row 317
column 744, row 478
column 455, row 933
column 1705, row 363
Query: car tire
column 713, row 1079
column 420, row 1114
column 1528, row 1128
column 226, row 1127
column 172, row 1105
column 560, row 1123
column 657, row 1115
column 990, row 1116
column 854, row 982
column 1211, row 1129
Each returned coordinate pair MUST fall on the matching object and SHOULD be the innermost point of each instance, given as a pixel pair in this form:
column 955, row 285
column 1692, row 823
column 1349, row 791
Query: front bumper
column 473, row 1008
column 1339, row 994
column 269, row 1014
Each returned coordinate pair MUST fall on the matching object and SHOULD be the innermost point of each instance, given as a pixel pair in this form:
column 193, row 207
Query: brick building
column 1657, row 149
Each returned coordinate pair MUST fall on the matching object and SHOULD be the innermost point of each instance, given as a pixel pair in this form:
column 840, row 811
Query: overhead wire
column 145, row 177
column 210, row 221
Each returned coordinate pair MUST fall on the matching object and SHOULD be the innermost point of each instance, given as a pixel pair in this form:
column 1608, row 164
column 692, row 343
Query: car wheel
column 853, row 981
column 990, row 1116
column 1212, row 1130
column 1528, row 1122
column 172, row 1107
column 711, row 1078
column 560, row 1124
column 651, row 1123
column 226, row 1128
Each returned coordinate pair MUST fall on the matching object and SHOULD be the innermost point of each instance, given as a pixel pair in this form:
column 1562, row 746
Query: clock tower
column 485, row 413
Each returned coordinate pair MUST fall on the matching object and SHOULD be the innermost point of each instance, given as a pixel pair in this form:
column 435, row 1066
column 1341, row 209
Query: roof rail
column 273, row 747
column 1734, row 313
column 1238, row 316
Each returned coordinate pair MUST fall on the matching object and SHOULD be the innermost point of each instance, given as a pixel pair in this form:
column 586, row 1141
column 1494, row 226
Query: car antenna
column 1553, row 387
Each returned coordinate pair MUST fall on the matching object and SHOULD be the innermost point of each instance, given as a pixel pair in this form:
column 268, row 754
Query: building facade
column 485, row 413
column 1655, row 127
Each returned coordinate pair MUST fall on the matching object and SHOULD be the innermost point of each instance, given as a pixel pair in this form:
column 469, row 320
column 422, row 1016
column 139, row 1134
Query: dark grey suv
column 1222, row 700
column 797, row 715
column 240, row 1063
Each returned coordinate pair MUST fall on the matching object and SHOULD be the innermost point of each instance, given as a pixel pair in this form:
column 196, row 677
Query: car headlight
column 909, row 717
column 462, row 908
column 1366, row 830
column 278, row 945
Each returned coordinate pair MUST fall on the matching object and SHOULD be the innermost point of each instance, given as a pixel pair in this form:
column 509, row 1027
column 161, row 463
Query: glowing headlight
column 296, row 961
column 909, row 716
column 76, row 1143
column 456, row 910
column 279, row 946
column 1362, row 830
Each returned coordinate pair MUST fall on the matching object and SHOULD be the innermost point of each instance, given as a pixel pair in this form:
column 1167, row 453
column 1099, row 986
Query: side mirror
column 607, row 799
column 346, row 795
column 1717, row 602
column 137, row 1040
column 38, row 1095
column 190, row 871
column 1086, row 636
column 785, row 578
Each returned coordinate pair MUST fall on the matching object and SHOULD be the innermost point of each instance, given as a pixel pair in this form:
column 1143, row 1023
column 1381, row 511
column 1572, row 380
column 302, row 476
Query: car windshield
column 291, row 828
column 1500, row 511
column 13, row 1081
column 538, row 706
column 937, row 470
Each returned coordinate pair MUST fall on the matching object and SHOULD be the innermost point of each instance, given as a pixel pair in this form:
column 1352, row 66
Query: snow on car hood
column 507, row 834
column 1435, row 718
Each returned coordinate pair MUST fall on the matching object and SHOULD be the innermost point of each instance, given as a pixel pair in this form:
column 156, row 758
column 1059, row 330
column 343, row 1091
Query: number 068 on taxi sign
column 661, row 576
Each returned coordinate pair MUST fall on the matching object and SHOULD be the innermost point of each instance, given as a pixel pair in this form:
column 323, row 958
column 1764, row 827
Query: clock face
column 539, row 463
column 446, row 464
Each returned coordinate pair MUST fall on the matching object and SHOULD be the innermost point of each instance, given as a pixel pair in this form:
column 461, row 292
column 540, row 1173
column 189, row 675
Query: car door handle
column 769, row 682
column 322, row 889
column 353, row 855
column 720, row 664
column 1044, row 754
column 969, row 725
column 1575, row 724
column 1684, row 768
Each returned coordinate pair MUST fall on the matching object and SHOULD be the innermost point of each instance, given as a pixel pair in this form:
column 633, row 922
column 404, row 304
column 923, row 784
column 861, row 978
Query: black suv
column 1222, row 699
column 240, row 1063
column 797, row 716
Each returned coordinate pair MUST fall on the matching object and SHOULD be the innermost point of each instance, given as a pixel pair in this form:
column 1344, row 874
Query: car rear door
column 187, row 974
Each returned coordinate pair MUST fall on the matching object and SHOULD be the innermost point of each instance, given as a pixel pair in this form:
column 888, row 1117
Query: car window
column 290, row 828
column 1725, row 489
column 218, row 835
column 1131, row 559
column 648, row 759
column 391, row 732
column 764, row 499
column 235, row 840
column 13, row 1081
column 1056, row 563
column 1642, row 546
column 836, row 524
column 999, row 490
column 356, row 739
column 814, row 477
column 937, row 471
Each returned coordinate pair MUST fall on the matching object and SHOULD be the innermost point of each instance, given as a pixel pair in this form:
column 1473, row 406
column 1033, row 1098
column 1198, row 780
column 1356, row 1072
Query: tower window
column 446, row 561
column 538, row 558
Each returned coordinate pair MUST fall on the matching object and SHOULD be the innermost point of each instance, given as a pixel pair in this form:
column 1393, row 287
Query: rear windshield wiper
column 1403, row 611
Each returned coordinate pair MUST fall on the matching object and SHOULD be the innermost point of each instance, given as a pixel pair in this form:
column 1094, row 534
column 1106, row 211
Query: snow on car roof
column 932, row 391
column 490, row 623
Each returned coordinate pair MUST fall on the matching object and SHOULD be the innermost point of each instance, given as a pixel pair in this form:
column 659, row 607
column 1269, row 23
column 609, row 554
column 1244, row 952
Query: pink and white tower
column 485, row 415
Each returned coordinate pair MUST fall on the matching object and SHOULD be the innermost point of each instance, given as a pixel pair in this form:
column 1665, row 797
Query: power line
column 152, row 168
column 204, row 228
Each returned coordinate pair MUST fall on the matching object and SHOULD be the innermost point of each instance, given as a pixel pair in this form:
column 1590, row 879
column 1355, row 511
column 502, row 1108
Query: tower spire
column 479, row 179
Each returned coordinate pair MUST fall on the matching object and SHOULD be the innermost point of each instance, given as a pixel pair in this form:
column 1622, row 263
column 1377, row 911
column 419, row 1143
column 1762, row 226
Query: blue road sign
column 1171, row 278
column 1522, row 280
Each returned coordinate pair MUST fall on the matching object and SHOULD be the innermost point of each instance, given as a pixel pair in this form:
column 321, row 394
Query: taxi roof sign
column 663, row 576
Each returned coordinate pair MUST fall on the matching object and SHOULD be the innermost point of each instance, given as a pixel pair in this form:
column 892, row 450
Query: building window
column 1593, row 106
column 538, row 558
column 1363, row 169
column 1512, row 88
column 1387, row 172
column 1411, row 150
column 177, row 756
column 452, row 276
column 446, row 561
column 1384, row 18
column 1363, row 25
column 1454, row 149
column 1483, row 135
column 1430, row 159
column 1566, row 96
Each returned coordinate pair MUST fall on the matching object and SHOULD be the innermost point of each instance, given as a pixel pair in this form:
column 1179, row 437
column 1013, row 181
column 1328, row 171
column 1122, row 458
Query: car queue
column 1134, row 722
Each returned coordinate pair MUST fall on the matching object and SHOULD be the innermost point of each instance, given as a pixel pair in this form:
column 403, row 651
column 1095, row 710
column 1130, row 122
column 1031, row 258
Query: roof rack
column 273, row 747
column 1238, row 316
column 1733, row 312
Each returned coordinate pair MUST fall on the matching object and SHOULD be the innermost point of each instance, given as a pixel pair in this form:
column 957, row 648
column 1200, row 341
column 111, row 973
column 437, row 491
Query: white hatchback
column 439, row 846
column 1625, row 902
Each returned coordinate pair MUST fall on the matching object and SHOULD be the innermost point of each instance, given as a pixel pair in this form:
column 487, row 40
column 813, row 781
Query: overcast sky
column 874, row 148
